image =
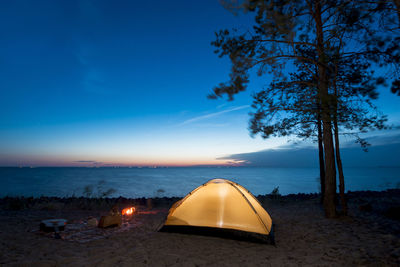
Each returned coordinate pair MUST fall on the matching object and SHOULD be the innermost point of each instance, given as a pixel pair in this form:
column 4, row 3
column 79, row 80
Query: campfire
column 115, row 217
column 128, row 211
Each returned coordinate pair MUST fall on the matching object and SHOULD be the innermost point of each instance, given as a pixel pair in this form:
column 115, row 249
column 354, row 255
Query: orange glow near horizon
column 65, row 161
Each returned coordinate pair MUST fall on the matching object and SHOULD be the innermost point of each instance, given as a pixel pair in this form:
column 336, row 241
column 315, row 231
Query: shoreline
column 369, row 236
column 23, row 202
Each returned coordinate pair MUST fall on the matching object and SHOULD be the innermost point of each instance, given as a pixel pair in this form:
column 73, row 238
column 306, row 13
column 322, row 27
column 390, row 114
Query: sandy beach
column 369, row 236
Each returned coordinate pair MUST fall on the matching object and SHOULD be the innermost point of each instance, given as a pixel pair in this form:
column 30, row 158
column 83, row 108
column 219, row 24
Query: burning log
column 128, row 211
column 115, row 217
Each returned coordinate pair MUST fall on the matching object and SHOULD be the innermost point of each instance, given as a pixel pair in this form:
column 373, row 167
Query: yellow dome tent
column 222, row 204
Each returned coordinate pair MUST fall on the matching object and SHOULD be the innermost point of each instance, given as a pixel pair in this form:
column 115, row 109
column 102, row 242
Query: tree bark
column 343, row 201
column 321, row 158
column 397, row 4
column 330, row 173
column 330, row 168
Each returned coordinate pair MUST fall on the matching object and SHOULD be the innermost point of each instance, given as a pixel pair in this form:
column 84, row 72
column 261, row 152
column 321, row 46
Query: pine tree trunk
column 343, row 201
column 397, row 4
column 330, row 173
column 330, row 168
column 321, row 158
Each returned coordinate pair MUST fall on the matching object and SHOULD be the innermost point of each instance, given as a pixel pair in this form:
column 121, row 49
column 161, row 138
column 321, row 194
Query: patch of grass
column 98, row 191
column 160, row 192
column 275, row 193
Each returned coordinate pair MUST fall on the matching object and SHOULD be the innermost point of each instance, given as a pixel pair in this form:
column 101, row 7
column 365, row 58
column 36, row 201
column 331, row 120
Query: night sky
column 98, row 83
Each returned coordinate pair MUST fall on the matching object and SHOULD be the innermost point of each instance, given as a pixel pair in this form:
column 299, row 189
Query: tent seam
column 248, row 202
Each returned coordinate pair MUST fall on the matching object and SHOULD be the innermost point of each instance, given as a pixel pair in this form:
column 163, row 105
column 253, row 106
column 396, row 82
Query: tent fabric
column 221, row 203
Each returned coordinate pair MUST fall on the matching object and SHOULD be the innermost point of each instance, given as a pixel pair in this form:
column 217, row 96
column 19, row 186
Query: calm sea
column 152, row 182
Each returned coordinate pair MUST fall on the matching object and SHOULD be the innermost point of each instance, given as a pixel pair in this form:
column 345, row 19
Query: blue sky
column 106, row 82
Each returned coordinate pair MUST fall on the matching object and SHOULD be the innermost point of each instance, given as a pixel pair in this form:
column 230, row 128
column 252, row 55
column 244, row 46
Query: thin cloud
column 385, row 137
column 215, row 114
column 382, row 153
column 87, row 161
column 222, row 105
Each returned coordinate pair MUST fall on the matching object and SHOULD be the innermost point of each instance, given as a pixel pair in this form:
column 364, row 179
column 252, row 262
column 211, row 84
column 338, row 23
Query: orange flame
column 128, row 211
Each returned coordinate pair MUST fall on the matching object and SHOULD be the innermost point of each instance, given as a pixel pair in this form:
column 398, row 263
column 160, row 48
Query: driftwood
column 113, row 219
column 110, row 220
